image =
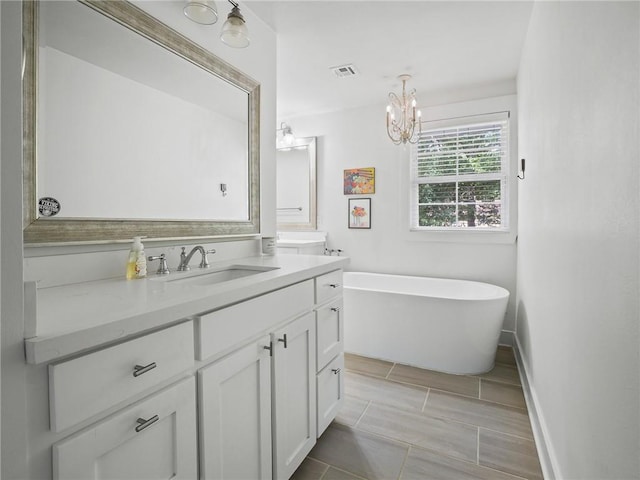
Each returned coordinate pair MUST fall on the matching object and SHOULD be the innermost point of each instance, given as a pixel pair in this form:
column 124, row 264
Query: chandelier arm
column 393, row 138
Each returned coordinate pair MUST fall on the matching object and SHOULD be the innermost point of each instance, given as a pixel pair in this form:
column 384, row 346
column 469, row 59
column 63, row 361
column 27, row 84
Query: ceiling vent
column 344, row 71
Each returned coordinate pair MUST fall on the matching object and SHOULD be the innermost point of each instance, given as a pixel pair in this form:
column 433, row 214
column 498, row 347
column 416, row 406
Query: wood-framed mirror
column 131, row 129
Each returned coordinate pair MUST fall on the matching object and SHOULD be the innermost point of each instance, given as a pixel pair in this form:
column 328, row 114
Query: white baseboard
column 548, row 460
column 507, row 338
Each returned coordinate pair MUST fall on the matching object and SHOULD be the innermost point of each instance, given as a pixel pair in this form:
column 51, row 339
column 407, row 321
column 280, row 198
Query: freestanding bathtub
column 452, row 326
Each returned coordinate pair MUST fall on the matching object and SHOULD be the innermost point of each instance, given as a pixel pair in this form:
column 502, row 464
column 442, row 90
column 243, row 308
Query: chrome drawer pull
column 140, row 369
column 335, row 309
column 334, row 285
column 142, row 423
column 336, row 371
column 284, row 340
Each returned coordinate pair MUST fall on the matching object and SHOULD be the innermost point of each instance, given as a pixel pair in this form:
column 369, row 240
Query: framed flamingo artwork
column 359, row 213
column 360, row 181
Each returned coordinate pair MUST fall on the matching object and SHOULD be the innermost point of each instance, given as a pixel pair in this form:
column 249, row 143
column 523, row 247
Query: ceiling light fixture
column 234, row 31
column 201, row 11
column 402, row 115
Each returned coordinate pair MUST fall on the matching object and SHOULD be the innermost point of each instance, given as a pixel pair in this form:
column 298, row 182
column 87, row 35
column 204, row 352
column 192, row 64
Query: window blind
column 460, row 174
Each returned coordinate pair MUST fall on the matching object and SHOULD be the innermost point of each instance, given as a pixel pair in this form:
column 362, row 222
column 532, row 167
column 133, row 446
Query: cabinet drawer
column 154, row 438
column 231, row 326
column 330, row 392
column 329, row 332
column 87, row 385
column 328, row 285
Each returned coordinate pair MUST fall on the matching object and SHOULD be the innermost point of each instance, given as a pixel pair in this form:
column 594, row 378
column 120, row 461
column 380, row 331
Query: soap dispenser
column 137, row 262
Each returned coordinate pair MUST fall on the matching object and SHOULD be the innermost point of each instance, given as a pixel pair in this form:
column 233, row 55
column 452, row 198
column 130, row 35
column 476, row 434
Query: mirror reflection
column 296, row 185
column 132, row 129
column 146, row 135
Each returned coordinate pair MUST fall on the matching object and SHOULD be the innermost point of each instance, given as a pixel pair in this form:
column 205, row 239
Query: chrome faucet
column 186, row 258
column 163, row 269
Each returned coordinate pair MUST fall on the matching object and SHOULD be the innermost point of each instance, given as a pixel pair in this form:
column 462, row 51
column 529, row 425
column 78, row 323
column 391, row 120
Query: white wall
column 23, row 458
column 357, row 138
column 577, row 319
column 13, row 381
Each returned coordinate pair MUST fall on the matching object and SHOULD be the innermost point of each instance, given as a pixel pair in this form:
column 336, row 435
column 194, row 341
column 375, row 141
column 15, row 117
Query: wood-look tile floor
column 402, row 423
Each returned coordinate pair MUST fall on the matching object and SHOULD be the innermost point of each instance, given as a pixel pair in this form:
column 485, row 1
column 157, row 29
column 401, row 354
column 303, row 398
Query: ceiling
column 454, row 50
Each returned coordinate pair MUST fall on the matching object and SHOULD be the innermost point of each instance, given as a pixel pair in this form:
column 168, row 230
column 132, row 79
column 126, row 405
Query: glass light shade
column 201, row 11
column 288, row 138
column 234, row 31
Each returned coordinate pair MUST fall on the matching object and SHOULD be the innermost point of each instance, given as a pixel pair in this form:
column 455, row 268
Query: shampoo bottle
column 137, row 262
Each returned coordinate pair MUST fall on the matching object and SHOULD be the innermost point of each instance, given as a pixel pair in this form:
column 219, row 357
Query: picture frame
column 359, row 181
column 359, row 213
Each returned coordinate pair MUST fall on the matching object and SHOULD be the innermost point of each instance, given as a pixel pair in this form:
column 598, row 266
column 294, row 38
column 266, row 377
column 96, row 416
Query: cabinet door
column 152, row 440
column 329, row 332
column 235, row 415
column 294, row 400
column 330, row 392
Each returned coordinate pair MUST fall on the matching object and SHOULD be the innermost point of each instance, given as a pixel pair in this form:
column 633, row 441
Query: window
column 460, row 175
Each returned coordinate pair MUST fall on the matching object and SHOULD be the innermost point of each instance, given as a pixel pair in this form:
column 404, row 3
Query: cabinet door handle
column 283, row 340
column 270, row 348
column 142, row 423
column 334, row 285
column 335, row 309
column 335, row 371
column 140, row 369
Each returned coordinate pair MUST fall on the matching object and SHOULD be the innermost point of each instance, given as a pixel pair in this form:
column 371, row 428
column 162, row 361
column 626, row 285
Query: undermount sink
column 213, row 276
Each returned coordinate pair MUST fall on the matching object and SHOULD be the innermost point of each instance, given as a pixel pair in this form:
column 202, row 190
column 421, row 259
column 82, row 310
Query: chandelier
column 402, row 116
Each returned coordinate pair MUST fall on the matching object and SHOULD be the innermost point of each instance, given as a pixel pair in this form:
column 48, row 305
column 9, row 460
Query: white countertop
column 77, row 317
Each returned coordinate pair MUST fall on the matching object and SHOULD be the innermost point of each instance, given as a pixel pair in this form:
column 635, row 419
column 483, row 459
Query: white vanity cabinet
column 330, row 347
column 239, row 392
column 258, row 402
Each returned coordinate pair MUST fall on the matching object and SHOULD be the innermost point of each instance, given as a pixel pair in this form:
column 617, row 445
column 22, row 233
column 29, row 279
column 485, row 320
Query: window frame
column 504, row 175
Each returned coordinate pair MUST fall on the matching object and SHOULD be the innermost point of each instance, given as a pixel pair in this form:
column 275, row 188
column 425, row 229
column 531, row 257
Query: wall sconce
column 203, row 12
column 234, row 31
column 286, row 138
